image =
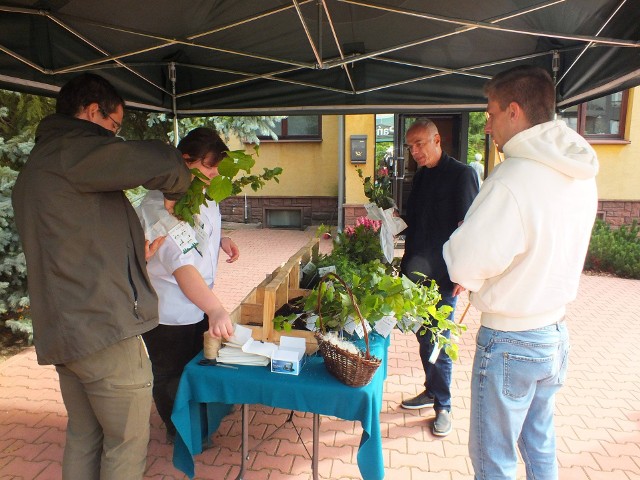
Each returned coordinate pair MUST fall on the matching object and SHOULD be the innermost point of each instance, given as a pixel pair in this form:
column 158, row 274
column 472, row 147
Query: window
column 298, row 127
column 601, row 118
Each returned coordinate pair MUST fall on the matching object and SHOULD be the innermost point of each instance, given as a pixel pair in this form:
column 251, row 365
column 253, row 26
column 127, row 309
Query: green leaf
column 219, row 188
column 228, row 168
column 241, row 159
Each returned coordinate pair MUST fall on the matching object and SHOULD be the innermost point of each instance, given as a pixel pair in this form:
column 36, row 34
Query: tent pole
column 340, row 172
column 172, row 78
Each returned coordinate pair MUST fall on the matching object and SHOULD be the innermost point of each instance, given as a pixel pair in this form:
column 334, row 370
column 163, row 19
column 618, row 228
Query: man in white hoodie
column 520, row 252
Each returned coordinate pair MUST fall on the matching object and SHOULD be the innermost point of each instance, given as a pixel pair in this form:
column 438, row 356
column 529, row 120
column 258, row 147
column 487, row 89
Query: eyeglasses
column 118, row 125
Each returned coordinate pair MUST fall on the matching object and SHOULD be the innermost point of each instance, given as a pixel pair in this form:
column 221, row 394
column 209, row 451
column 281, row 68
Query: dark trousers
column 437, row 375
column 171, row 347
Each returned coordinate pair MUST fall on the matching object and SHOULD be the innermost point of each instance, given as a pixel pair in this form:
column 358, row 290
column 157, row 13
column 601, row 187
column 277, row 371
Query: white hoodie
column 521, row 248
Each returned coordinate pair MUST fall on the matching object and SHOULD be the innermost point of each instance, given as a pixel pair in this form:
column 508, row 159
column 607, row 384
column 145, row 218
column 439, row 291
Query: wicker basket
column 351, row 369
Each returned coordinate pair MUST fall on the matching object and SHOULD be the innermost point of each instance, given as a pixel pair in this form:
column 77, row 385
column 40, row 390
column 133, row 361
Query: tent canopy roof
column 317, row 56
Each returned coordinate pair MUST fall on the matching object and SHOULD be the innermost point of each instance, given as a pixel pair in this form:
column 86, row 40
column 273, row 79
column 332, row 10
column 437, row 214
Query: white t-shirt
column 174, row 307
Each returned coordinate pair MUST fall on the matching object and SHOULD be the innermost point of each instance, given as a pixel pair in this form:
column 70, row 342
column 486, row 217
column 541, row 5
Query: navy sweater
column 439, row 199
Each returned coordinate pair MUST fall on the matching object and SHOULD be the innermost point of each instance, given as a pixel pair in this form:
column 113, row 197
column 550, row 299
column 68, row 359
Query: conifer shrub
column 614, row 250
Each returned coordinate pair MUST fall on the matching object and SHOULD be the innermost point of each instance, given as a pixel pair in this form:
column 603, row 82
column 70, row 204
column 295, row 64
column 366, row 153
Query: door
column 453, row 129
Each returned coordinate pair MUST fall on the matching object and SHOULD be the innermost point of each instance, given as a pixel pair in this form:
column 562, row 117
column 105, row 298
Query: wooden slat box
column 258, row 308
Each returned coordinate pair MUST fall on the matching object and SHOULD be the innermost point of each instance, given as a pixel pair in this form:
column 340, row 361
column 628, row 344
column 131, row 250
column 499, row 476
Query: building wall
column 308, row 185
column 309, row 181
column 619, row 177
column 354, row 190
column 310, row 168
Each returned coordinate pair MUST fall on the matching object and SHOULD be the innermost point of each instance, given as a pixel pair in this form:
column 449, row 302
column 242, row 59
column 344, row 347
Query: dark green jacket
column 83, row 242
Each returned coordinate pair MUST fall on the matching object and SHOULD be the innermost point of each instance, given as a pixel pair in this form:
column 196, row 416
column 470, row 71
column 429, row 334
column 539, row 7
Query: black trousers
column 171, row 347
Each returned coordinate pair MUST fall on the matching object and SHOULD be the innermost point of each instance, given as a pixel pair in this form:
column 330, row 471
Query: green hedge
column 615, row 251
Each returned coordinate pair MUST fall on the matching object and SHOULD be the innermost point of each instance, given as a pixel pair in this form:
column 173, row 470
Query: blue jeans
column 437, row 375
column 514, row 381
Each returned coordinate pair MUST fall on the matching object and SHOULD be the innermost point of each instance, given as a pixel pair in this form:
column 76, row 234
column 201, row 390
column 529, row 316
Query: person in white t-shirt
column 183, row 278
column 478, row 166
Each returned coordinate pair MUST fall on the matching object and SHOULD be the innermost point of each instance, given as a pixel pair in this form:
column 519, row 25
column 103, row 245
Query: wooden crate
column 258, row 308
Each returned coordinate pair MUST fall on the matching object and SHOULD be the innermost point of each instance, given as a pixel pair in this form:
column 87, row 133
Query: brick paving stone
column 598, row 419
column 53, row 471
column 344, row 470
column 23, row 468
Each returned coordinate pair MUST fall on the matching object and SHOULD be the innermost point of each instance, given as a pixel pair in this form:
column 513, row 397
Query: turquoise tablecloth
column 314, row 390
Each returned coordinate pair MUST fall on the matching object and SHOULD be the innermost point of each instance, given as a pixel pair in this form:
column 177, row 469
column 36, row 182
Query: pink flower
column 368, row 223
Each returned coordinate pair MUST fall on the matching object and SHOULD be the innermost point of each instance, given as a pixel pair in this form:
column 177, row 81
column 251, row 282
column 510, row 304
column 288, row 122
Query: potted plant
column 377, row 290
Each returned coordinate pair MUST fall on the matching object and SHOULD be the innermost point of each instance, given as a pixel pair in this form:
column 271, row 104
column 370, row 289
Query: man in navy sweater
column 443, row 189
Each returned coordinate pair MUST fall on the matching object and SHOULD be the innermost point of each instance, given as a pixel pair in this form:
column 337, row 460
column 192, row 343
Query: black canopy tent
column 317, row 56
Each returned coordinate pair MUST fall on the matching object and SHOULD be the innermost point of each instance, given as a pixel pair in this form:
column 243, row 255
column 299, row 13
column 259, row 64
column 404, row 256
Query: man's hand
column 457, row 289
column 230, row 248
column 150, row 248
column 168, row 205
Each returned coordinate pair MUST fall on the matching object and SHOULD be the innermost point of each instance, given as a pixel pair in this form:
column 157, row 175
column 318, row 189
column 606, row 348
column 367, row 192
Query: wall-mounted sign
column 384, row 127
column 358, row 149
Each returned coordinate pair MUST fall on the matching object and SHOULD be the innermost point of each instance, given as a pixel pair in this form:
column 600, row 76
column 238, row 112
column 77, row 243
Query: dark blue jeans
column 437, row 375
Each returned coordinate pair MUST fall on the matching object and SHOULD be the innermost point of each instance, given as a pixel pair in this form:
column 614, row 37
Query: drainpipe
column 172, row 79
column 340, row 172
column 246, row 209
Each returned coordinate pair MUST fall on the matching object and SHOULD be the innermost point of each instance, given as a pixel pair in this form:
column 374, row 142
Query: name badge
column 184, row 237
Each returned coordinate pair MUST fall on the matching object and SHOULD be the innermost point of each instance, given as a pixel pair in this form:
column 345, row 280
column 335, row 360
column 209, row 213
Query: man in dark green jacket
column 91, row 298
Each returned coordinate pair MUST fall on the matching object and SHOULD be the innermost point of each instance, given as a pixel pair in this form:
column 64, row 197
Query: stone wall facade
column 619, row 212
column 317, row 210
column 352, row 212
column 313, row 210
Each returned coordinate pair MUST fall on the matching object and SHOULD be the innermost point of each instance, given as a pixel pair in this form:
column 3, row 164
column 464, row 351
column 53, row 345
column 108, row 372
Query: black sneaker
column 442, row 424
column 421, row 400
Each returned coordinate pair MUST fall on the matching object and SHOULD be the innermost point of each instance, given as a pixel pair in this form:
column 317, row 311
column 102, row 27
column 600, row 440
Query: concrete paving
column 597, row 420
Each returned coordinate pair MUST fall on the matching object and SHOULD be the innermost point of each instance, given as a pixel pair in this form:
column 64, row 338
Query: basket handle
column 353, row 301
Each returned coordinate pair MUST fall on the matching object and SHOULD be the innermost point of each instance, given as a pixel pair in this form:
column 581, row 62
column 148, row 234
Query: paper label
column 385, row 325
column 350, row 325
column 374, row 212
column 322, row 271
column 311, row 323
column 184, row 237
column 386, row 243
column 308, row 269
column 434, row 355
column 201, row 235
column 409, row 324
column 416, row 326
column 360, row 326
column 394, row 224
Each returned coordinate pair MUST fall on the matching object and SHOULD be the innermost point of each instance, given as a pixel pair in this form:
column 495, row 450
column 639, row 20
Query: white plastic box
column 290, row 356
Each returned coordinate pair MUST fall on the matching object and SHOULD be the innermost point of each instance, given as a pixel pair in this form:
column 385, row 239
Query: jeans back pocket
column 521, row 373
